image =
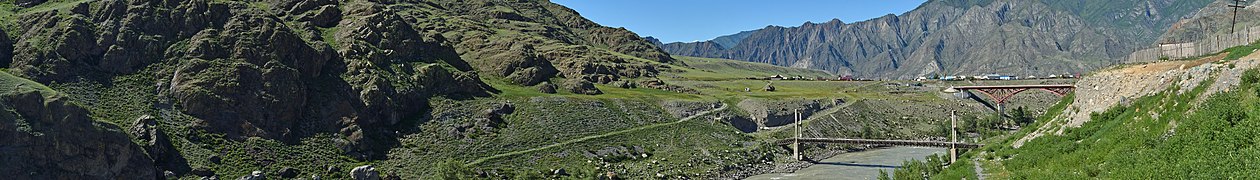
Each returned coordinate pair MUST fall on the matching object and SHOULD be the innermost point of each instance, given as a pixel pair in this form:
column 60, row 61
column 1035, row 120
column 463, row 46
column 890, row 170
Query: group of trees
column 990, row 125
column 917, row 169
column 1022, row 117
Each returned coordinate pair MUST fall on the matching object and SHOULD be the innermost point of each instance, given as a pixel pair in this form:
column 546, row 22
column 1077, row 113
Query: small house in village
column 776, row 77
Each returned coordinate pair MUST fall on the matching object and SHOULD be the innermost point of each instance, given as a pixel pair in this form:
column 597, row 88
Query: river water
column 857, row 165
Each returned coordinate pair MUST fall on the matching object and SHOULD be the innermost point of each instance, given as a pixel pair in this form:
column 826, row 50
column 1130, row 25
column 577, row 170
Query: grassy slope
column 13, row 85
column 542, row 135
column 1155, row 119
column 127, row 97
column 516, row 91
column 1240, row 51
column 551, row 132
column 726, row 80
column 1165, row 132
column 586, row 138
column 965, row 167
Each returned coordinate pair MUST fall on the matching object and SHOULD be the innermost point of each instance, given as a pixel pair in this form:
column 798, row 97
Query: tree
column 883, row 175
column 943, row 128
column 918, row 169
column 1021, row 116
column 867, row 132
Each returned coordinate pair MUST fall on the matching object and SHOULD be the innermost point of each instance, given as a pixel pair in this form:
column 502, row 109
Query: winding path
column 513, row 153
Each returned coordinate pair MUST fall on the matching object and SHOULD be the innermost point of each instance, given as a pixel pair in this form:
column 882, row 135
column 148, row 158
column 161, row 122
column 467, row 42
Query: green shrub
column 1250, row 76
column 451, row 169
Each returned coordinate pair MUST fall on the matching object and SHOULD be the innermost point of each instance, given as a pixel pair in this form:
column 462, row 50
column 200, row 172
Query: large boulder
column 158, row 145
column 260, row 102
column 256, row 175
column 365, row 172
column 493, row 117
column 320, row 13
column 581, row 86
column 513, row 58
column 326, row 16
column 547, row 87
column 289, row 172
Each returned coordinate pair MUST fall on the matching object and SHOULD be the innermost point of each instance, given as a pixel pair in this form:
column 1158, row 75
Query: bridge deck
column 885, row 142
column 1017, row 86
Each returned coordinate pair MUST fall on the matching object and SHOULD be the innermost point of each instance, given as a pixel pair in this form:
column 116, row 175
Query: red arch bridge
column 1003, row 93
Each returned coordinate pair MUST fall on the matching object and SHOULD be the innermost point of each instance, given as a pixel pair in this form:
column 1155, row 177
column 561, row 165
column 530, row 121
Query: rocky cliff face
column 48, row 137
column 288, row 69
column 961, row 38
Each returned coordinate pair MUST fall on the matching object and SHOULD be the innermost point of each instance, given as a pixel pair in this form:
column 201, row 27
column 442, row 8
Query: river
column 857, row 165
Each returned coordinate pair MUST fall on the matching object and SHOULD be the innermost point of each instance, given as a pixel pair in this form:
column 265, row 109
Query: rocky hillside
column 218, row 74
column 1210, row 22
column 949, row 37
column 1193, row 119
column 43, row 129
column 1110, row 88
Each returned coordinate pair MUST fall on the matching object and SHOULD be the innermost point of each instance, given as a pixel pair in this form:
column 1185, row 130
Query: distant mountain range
column 950, row 37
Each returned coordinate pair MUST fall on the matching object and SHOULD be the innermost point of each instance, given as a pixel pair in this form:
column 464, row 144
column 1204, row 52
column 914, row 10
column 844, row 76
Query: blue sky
column 691, row 20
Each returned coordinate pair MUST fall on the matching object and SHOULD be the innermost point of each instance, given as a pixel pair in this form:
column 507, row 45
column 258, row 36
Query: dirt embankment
column 1118, row 86
column 774, row 113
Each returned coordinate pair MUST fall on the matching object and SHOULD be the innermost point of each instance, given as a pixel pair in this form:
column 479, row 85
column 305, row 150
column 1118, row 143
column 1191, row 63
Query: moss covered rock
column 581, row 86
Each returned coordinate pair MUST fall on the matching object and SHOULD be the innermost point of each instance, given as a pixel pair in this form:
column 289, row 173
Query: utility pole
column 1237, row 5
column 796, row 142
column 953, row 137
column 1001, row 114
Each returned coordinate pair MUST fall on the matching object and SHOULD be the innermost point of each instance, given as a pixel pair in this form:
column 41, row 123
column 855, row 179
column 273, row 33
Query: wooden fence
column 1193, row 49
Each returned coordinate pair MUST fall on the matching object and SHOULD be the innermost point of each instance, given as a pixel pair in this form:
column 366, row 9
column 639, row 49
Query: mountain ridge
column 953, row 38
